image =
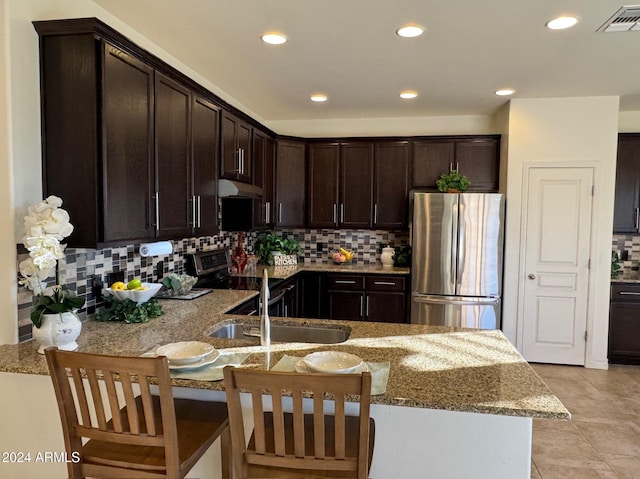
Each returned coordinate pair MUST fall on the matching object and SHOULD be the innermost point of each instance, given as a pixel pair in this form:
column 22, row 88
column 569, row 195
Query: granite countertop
column 284, row 272
column 431, row 367
column 627, row 277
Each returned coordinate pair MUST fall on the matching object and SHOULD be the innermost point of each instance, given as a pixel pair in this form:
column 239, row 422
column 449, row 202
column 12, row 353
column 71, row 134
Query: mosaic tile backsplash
column 628, row 249
column 86, row 270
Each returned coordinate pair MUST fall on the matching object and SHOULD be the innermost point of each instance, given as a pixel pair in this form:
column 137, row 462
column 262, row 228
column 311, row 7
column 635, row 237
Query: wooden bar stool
column 141, row 436
column 297, row 445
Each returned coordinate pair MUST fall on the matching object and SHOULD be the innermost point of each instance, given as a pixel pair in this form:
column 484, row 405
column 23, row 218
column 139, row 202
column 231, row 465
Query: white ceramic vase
column 58, row 329
column 387, row 256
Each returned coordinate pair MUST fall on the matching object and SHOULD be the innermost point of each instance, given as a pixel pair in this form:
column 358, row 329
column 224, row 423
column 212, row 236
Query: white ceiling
column 348, row 49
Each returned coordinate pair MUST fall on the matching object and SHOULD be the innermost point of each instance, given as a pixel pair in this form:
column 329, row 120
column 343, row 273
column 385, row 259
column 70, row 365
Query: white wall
column 409, row 126
column 564, row 130
column 629, row 122
column 8, row 291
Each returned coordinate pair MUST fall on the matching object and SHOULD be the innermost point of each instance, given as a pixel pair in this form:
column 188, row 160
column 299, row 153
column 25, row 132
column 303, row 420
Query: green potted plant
column 453, row 182
column 269, row 243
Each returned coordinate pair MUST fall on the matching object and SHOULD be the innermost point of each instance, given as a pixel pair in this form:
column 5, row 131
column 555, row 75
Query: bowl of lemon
column 135, row 290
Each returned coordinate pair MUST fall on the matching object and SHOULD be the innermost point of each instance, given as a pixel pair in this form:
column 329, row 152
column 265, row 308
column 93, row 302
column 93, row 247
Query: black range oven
column 212, row 268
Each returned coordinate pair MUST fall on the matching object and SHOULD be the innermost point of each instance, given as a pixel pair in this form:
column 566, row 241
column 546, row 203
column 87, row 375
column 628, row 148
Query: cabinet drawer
column 627, row 292
column 345, row 282
column 385, row 283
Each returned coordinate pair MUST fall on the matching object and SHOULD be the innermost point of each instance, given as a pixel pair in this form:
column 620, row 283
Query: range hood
column 229, row 188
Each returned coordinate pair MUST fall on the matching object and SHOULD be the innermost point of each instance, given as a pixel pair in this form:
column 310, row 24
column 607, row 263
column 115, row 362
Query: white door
column 556, row 274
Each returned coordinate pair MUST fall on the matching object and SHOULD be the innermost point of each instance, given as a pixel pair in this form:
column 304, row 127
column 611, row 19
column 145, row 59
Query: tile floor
column 602, row 440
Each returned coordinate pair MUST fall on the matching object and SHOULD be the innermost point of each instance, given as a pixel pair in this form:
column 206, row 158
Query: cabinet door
column 244, row 134
column 356, row 185
column 290, row 301
column 323, row 185
column 431, row 158
column 624, row 333
column 263, row 162
column 391, row 184
column 479, row 161
column 385, row 307
column 290, row 184
column 128, row 146
column 204, row 144
column 172, row 128
column 229, row 155
column 627, row 196
column 346, row 305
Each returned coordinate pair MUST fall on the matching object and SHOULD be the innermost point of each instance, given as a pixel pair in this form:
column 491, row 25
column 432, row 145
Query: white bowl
column 185, row 352
column 332, row 362
column 138, row 295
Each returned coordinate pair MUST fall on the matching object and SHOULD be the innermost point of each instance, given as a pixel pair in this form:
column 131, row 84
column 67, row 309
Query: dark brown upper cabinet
column 236, row 156
column 626, row 213
column 204, row 147
column 131, row 151
column 290, row 184
column 173, row 155
column 264, row 178
column 478, row 158
column 391, row 184
column 340, row 184
column 358, row 184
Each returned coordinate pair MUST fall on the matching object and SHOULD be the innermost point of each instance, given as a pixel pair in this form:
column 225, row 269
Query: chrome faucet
column 265, row 323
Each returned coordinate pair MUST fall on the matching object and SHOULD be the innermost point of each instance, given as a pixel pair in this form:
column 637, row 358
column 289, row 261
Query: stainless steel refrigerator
column 456, row 270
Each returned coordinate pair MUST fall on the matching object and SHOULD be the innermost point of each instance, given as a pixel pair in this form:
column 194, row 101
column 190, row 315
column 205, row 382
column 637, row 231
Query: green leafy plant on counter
column 270, row 242
column 128, row 311
column 452, row 182
column 615, row 265
column 402, row 256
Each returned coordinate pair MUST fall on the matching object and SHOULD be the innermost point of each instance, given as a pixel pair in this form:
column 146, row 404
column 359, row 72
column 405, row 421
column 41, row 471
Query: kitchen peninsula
column 458, row 403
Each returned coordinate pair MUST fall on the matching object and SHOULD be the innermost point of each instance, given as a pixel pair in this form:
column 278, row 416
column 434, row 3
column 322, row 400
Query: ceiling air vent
column 624, row 20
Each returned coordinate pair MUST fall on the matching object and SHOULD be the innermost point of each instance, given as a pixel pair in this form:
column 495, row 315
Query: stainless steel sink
column 282, row 333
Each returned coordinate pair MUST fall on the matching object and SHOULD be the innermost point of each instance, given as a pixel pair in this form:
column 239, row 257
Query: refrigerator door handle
column 457, row 300
column 461, row 243
column 454, row 246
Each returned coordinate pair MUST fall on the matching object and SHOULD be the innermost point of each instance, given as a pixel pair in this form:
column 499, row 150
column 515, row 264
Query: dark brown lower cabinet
column 380, row 298
column 624, row 324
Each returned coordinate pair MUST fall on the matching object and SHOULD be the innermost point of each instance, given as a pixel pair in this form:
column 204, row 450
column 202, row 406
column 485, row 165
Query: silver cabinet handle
column 637, row 219
column 335, row 214
column 341, row 212
column 628, row 293
column 265, row 213
column 375, row 213
column 279, row 212
column 366, row 310
column 194, row 215
column 286, row 311
column 344, row 281
column 457, row 167
column 242, row 162
column 361, row 306
column 199, row 211
column 450, row 166
column 268, row 212
column 531, row 276
column 386, row 283
column 157, row 199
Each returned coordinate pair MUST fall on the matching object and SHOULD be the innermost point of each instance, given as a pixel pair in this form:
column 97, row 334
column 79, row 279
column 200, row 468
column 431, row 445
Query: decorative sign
column 285, row 259
column 285, row 271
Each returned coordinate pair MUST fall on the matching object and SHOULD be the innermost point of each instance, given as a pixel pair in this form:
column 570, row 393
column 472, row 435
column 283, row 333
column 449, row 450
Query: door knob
column 531, row 276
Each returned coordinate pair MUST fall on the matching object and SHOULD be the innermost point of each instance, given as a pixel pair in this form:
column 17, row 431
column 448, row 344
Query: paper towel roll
column 156, row 249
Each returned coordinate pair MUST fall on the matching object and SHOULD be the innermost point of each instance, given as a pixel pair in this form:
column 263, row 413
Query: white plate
column 205, row 361
column 185, row 352
column 332, row 362
column 301, row 367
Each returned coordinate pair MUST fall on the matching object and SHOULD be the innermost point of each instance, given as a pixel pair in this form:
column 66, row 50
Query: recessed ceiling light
column 408, row 94
column 273, row 38
column 505, row 92
column 561, row 23
column 318, row 97
column 410, row 31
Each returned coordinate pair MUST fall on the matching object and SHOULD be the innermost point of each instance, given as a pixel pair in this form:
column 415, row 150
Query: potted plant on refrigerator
column 453, row 182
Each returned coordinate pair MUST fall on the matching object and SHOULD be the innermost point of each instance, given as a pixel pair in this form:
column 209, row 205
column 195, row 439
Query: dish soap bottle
column 265, row 322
